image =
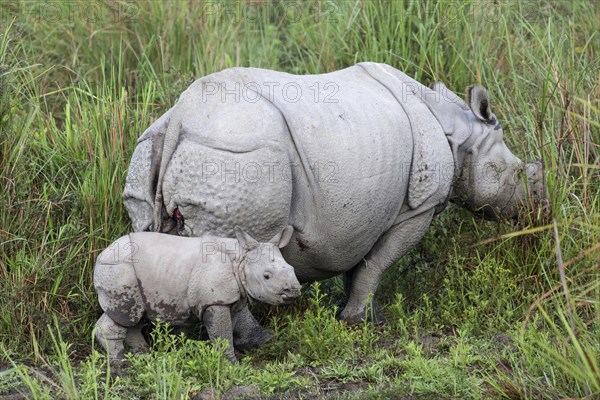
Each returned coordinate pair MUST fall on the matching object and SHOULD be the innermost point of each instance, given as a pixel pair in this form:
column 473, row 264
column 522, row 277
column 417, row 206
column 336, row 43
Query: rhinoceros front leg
column 217, row 320
column 365, row 277
column 247, row 332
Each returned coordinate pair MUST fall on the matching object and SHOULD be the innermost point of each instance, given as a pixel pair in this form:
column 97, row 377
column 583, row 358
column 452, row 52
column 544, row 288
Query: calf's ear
column 245, row 240
column 479, row 103
column 283, row 238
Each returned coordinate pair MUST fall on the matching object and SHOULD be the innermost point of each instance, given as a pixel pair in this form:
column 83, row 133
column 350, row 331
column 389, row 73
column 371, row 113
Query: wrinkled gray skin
column 358, row 169
column 172, row 278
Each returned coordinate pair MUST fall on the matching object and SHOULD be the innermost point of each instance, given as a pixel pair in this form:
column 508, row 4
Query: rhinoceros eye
column 267, row 276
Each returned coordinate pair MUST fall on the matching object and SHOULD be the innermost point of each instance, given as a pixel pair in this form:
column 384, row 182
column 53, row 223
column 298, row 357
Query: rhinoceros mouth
column 279, row 298
column 289, row 297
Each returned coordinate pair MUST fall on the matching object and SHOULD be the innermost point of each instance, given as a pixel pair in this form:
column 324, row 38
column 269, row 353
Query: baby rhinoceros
column 173, row 278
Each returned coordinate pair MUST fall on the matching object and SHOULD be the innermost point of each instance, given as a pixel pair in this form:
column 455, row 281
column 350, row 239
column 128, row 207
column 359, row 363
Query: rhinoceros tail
column 142, row 176
column 168, row 148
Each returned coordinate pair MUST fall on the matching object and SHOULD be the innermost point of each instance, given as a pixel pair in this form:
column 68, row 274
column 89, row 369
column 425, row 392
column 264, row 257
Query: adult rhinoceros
column 357, row 160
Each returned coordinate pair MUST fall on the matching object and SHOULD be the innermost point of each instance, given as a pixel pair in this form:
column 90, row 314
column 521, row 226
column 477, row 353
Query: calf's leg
column 135, row 340
column 217, row 320
column 111, row 336
column 247, row 332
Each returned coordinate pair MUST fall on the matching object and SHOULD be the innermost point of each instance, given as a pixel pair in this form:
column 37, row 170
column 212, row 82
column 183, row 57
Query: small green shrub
column 441, row 376
column 479, row 300
column 317, row 335
column 275, row 377
column 176, row 365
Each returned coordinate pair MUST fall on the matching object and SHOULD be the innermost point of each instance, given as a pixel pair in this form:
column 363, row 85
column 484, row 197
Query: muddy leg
column 247, row 332
column 111, row 336
column 135, row 340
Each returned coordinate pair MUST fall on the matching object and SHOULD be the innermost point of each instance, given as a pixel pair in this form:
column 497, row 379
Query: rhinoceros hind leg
column 247, row 332
column 364, row 279
column 111, row 336
column 135, row 340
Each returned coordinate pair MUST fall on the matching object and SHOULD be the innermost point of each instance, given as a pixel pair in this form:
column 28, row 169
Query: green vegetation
column 477, row 310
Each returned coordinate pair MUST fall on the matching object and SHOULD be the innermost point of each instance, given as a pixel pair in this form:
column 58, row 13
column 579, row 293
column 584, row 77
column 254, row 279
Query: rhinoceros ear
column 479, row 102
column 283, row 238
column 449, row 95
column 246, row 241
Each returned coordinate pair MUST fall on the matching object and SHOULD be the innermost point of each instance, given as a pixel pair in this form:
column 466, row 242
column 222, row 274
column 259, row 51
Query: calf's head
column 267, row 276
column 493, row 181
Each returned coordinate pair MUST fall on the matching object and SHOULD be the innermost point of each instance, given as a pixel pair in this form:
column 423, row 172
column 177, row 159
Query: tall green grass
column 79, row 82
